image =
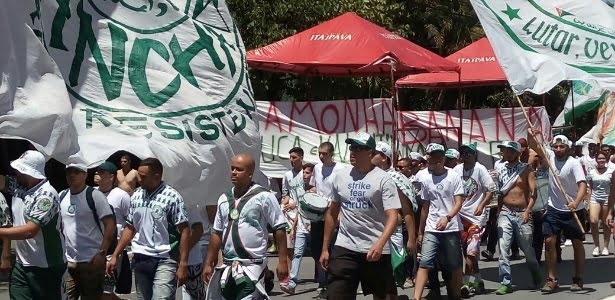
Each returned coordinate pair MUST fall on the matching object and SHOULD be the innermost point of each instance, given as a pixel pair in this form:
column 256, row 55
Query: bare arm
column 531, row 182
column 127, row 234
column 581, row 192
column 457, row 206
column 424, row 213
column 109, row 234
column 331, row 218
column 2, row 183
column 215, row 244
column 184, row 243
column 282, row 270
column 611, row 201
column 407, row 213
column 389, row 226
column 24, row 232
column 533, row 143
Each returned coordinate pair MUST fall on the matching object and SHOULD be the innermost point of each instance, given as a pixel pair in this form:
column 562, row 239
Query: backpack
column 90, row 200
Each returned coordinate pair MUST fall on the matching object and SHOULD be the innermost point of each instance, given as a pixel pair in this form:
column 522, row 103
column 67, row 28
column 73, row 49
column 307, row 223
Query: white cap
column 561, row 139
column 415, row 156
column 31, row 163
column 80, row 167
column 385, row 148
column 578, row 143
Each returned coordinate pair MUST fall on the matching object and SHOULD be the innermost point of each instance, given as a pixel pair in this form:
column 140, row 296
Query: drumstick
column 541, row 148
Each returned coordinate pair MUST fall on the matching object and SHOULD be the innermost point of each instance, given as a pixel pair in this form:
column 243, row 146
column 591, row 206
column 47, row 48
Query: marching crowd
column 370, row 224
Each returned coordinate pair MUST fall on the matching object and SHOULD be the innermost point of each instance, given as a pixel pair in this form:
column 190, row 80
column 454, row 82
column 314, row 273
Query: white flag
column 163, row 79
column 34, row 104
column 540, row 43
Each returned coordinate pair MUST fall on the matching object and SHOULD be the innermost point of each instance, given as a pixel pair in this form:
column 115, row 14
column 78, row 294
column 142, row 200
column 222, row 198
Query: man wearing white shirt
column 89, row 228
column 559, row 215
column 442, row 193
column 321, row 179
column 297, row 233
column 105, row 178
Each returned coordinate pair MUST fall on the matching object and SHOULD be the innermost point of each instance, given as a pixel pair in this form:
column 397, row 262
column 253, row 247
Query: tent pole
column 460, row 95
column 394, row 139
column 574, row 130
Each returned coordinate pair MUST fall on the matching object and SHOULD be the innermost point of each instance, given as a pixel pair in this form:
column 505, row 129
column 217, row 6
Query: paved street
column 599, row 272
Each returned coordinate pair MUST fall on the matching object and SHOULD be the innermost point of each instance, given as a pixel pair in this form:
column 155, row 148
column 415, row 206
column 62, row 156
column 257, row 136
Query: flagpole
column 553, row 172
column 574, row 130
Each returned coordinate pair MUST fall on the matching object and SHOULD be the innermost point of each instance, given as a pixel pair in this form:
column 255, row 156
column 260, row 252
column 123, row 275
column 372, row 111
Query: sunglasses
column 356, row 148
column 467, row 154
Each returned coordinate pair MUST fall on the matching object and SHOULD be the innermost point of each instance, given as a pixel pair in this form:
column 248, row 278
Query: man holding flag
column 566, row 209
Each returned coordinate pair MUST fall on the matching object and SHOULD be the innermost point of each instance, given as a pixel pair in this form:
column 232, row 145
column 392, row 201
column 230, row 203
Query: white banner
column 157, row 78
column 34, row 104
column 539, row 43
column 307, row 124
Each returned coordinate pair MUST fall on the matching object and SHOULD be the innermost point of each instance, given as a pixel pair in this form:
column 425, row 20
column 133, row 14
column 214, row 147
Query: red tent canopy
column 479, row 67
column 346, row 45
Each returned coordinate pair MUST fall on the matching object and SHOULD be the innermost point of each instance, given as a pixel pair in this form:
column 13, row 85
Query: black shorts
column 317, row 235
column 555, row 221
column 348, row 268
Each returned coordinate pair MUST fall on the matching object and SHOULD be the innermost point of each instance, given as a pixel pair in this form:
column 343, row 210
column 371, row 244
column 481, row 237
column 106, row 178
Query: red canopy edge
column 478, row 67
column 347, row 45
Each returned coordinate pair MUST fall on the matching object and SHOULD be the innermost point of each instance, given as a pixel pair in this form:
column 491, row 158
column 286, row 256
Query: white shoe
column 596, row 251
column 568, row 243
column 605, row 251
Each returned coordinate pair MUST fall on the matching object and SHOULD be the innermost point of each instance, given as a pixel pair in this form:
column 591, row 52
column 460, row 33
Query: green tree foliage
column 442, row 26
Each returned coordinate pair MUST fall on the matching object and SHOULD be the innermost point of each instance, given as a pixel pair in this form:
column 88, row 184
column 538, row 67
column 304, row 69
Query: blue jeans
column 154, row 277
column 443, row 249
column 300, row 242
column 510, row 225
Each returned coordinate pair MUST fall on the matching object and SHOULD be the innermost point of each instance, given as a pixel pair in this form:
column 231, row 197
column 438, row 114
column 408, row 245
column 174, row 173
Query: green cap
column 511, row 144
column 471, row 146
column 362, row 139
column 108, row 166
column 452, row 153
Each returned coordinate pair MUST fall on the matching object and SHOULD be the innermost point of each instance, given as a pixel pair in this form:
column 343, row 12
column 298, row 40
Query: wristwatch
column 448, row 218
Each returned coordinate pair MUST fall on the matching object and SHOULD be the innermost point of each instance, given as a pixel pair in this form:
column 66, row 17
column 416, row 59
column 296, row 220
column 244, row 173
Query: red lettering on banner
column 295, row 107
column 475, row 119
column 387, row 114
column 348, row 111
column 272, row 117
column 336, row 113
column 373, row 119
column 450, row 125
column 510, row 130
column 409, row 124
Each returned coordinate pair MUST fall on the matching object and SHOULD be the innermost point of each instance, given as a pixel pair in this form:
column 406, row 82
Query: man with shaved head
column 240, row 230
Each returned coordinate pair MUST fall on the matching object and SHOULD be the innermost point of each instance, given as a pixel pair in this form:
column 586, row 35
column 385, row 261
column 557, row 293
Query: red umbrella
column 347, row 45
column 478, row 67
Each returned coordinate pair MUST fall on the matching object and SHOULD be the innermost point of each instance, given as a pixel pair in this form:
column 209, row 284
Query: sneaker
column 577, row 284
column 478, row 287
column 536, row 280
column 408, row 283
column 288, row 287
column 612, row 284
column 605, row 251
column 272, row 249
column 550, row 286
column 322, row 294
column 596, row 251
column 465, row 290
column 488, row 255
column 568, row 243
column 503, row 290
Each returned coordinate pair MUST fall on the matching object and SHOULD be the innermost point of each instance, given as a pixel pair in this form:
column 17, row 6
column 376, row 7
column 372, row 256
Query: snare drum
column 313, row 207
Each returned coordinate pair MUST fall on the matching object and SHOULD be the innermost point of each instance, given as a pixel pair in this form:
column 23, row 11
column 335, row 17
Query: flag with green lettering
column 584, row 97
column 158, row 78
column 540, row 43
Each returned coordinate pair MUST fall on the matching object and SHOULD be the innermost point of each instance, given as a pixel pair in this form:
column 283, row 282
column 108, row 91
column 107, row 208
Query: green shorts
column 37, row 283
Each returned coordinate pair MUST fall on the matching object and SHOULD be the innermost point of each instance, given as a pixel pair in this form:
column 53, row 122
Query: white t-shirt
column 588, row 162
column 542, row 188
column 293, row 186
column 600, row 185
column 440, row 192
column 476, row 183
column 321, row 179
column 120, row 200
column 195, row 257
column 364, row 198
column 248, row 239
column 570, row 173
column 82, row 234
column 41, row 205
column 155, row 217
